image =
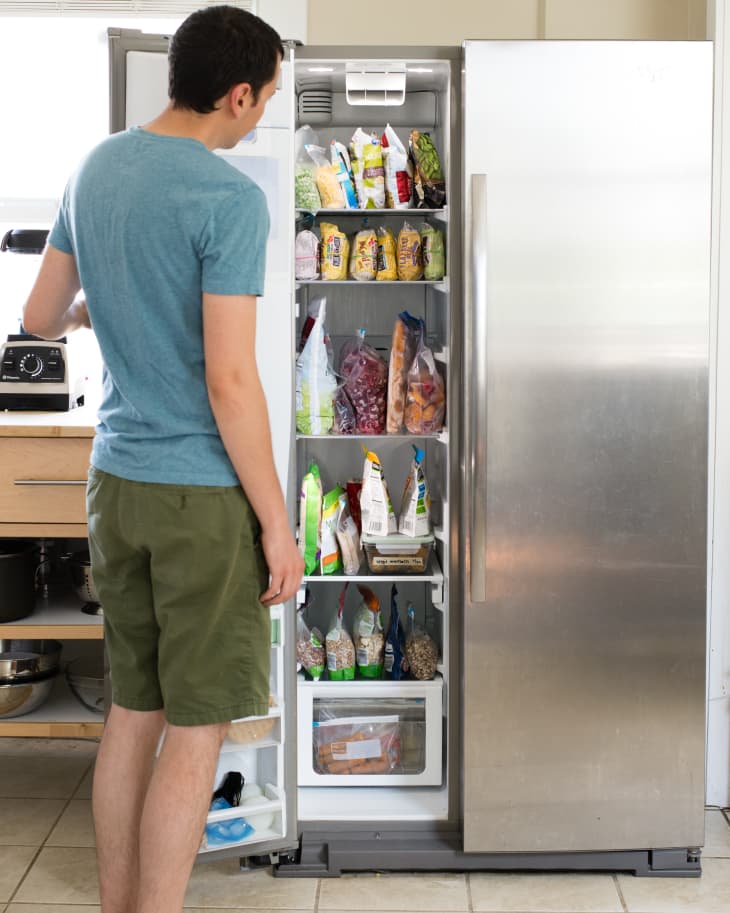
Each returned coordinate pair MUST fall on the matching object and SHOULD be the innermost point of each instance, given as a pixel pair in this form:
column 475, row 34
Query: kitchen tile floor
column 47, row 863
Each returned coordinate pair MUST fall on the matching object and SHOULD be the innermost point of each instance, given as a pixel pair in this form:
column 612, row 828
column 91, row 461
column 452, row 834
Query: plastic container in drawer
column 398, row 554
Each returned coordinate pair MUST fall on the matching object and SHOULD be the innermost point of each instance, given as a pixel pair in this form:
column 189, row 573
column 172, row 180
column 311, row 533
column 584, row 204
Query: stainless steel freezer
column 587, row 221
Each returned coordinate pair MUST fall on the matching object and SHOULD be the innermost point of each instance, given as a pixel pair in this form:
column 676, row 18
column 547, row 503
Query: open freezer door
column 255, row 747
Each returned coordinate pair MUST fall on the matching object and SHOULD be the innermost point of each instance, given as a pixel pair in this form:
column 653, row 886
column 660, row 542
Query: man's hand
column 286, row 565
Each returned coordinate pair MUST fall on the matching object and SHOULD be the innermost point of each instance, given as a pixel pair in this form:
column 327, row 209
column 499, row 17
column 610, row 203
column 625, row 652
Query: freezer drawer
column 363, row 734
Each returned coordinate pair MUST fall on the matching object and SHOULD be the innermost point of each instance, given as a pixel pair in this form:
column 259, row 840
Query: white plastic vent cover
column 375, row 84
column 156, row 8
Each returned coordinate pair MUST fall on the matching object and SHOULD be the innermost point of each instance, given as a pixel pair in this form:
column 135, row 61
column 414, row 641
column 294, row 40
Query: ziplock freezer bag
column 348, row 538
column 425, row 398
column 368, row 635
column 398, row 171
column 365, row 375
column 352, row 746
column 376, row 509
column 428, row 176
column 402, row 351
column 370, row 174
column 410, row 261
column 306, row 255
column 340, row 648
column 315, row 380
column 421, row 651
column 330, row 560
column 306, row 195
column 341, row 163
column 345, row 420
column 325, row 175
column 310, row 648
column 415, row 512
column 364, row 255
column 433, row 253
column 310, row 519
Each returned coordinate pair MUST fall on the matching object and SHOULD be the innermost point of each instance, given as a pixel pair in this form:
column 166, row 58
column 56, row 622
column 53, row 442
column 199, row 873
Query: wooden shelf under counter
column 61, row 717
column 58, row 617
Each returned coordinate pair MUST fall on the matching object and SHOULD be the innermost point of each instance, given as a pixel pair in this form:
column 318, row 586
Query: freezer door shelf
column 265, row 817
column 376, row 722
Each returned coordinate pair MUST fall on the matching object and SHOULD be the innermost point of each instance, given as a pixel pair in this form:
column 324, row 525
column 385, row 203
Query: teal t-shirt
column 153, row 222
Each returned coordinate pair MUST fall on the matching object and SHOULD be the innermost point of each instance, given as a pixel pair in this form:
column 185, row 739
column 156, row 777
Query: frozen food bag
column 306, row 256
column 330, row 560
column 364, row 255
column 365, row 375
column 433, row 253
column 313, row 309
column 341, row 163
column 310, row 519
column 348, row 538
column 428, row 176
column 376, row 509
column 306, row 195
column 387, row 255
column 415, row 512
column 402, row 352
column 315, row 380
column 354, row 490
column 368, row 635
column 335, row 252
column 345, row 420
column 369, row 155
column 421, row 651
column 410, row 261
column 395, row 664
column 425, row 397
column 340, row 647
column 311, row 654
column 325, row 175
column 398, row 171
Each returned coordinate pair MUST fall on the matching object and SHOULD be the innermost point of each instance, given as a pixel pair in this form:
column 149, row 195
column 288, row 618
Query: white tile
column 508, row 892
column 65, row 875
column 84, row 788
column 422, row 892
column 230, row 910
column 27, row 822
column 717, row 835
column 52, row 908
column 14, row 862
column 708, row 894
column 40, row 776
column 75, row 827
column 224, row 885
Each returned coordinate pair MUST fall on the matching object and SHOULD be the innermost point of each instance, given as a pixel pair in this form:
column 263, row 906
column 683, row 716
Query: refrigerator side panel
column 587, row 189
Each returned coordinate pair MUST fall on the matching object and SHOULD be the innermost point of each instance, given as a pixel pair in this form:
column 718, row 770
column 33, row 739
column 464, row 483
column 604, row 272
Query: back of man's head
column 217, row 48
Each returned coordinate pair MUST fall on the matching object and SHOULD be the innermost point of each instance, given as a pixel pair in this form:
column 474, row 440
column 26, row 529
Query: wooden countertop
column 79, row 422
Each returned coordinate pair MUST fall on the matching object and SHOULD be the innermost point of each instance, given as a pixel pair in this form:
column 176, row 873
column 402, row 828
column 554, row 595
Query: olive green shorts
column 179, row 570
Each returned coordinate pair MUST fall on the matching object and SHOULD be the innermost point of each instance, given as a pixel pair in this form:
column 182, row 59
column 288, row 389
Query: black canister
column 17, row 578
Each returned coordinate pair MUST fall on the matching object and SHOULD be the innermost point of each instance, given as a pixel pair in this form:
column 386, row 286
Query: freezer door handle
column 477, row 389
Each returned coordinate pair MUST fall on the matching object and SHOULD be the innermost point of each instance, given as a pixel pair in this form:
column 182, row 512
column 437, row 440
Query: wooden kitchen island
column 44, row 460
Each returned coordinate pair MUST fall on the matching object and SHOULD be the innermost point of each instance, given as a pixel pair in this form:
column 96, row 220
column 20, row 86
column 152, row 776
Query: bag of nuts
column 340, row 648
column 369, row 637
column 310, row 650
column 421, row 651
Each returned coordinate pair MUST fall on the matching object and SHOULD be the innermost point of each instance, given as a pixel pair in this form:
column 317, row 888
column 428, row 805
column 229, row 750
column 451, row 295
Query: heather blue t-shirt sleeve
column 233, row 244
column 59, row 236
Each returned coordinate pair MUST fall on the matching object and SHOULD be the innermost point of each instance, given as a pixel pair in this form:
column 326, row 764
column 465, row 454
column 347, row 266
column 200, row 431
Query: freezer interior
column 335, row 97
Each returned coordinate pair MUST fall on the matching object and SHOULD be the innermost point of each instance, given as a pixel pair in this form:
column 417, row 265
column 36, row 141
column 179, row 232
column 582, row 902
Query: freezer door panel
column 587, row 219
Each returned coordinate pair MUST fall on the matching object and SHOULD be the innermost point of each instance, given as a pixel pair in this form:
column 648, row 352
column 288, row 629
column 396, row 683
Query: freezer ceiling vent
column 113, row 7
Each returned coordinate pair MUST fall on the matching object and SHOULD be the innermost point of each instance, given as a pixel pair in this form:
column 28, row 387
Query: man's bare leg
column 174, row 815
column 122, row 774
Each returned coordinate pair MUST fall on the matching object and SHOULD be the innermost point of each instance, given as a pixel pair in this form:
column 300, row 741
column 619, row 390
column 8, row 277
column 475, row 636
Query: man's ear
column 240, row 98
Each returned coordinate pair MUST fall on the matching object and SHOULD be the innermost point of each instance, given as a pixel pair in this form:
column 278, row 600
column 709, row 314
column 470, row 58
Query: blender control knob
column 31, row 364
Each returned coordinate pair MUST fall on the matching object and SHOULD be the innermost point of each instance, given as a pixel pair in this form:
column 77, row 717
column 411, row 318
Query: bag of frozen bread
column 402, row 352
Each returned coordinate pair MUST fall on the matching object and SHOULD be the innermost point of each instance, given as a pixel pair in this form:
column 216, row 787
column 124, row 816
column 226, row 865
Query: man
column 189, row 535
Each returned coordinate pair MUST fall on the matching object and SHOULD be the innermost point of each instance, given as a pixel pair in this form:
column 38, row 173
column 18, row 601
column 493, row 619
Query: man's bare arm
column 50, row 310
column 239, row 406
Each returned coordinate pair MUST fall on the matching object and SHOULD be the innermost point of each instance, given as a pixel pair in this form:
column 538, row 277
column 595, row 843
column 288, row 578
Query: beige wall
column 451, row 21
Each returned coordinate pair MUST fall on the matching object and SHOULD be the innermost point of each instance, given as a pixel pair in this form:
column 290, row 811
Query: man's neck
column 185, row 123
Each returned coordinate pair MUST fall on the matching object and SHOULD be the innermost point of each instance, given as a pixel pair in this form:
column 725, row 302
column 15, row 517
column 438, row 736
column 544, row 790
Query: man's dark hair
column 217, row 48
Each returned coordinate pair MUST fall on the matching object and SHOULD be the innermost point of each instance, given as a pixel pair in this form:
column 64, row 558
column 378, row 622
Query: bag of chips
column 387, row 256
column 398, row 171
column 364, row 255
column 410, row 262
